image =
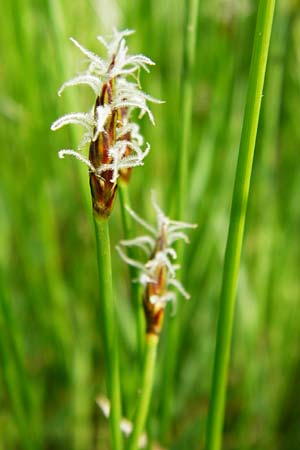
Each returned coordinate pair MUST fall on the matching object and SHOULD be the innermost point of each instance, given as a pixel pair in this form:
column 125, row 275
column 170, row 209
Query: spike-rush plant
column 157, row 276
column 115, row 147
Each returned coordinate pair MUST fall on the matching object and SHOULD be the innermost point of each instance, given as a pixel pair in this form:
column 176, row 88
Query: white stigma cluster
column 118, row 66
column 167, row 231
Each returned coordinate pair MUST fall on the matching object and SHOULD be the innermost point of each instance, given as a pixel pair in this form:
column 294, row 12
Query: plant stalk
column 237, row 223
column 146, row 390
column 109, row 334
column 188, row 61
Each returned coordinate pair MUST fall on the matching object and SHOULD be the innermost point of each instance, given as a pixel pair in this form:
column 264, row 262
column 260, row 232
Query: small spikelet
column 115, row 140
column 158, row 272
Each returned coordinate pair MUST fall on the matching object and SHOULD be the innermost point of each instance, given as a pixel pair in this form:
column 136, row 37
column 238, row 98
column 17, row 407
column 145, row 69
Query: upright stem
column 146, row 390
column 135, row 287
column 107, row 316
column 186, row 102
column 237, row 222
column 188, row 57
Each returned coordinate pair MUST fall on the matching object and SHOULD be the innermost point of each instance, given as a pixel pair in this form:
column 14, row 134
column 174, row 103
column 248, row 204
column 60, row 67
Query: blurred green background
column 51, row 365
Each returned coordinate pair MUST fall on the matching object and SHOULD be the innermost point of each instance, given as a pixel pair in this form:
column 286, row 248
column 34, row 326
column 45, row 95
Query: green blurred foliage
column 51, row 365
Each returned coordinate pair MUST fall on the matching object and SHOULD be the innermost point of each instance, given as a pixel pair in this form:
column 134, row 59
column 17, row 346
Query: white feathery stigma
column 121, row 161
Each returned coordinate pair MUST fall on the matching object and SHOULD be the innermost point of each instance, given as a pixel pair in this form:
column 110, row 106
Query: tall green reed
column 237, row 222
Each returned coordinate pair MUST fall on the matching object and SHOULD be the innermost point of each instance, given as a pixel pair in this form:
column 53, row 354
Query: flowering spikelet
column 115, row 141
column 158, row 273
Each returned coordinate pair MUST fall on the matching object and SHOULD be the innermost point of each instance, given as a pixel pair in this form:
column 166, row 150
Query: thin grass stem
column 186, row 103
column 107, row 315
column 146, row 390
column 237, row 223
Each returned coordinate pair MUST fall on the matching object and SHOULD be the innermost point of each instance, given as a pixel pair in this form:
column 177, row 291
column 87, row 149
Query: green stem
column 237, row 222
column 188, row 58
column 135, row 287
column 107, row 315
column 146, row 387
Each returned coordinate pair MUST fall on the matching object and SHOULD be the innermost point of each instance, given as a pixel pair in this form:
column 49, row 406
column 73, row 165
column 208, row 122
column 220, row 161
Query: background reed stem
column 109, row 334
column 237, row 222
column 185, row 114
column 186, row 104
column 135, row 287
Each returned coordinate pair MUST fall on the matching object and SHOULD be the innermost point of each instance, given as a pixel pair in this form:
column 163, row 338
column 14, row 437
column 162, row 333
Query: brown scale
column 102, row 189
column 154, row 312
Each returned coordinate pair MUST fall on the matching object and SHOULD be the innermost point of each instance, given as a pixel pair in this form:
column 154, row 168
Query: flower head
column 115, row 141
column 158, row 272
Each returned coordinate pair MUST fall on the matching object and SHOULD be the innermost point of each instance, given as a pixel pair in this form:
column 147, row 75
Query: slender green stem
column 237, row 222
column 269, row 174
column 107, row 315
column 146, row 390
column 190, row 33
column 135, row 287
column 188, row 57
